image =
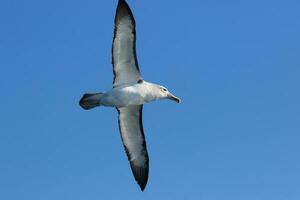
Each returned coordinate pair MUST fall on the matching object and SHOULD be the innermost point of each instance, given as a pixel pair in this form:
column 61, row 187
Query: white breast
column 122, row 96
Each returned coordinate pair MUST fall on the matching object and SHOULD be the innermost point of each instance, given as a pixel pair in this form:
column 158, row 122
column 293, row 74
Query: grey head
column 162, row 92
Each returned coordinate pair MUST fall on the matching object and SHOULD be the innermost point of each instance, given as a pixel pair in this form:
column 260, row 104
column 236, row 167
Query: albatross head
column 163, row 93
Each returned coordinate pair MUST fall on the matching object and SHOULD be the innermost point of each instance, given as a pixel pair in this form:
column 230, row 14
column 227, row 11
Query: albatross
column 129, row 93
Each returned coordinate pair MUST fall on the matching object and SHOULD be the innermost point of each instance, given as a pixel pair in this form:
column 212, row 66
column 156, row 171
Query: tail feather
column 90, row 100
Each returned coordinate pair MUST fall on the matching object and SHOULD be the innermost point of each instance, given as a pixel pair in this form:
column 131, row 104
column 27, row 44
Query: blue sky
column 235, row 65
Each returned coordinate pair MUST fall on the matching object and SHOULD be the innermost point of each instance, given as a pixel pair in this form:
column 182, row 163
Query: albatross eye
column 164, row 89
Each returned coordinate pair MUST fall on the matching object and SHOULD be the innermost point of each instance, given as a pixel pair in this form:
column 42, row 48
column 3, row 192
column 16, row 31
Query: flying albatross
column 129, row 93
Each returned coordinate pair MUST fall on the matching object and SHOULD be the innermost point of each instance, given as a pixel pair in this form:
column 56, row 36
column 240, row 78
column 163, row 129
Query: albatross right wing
column 132, row 134
column 124, row 59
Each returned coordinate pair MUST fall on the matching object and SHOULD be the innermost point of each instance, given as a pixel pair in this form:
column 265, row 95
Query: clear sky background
column 235, row 64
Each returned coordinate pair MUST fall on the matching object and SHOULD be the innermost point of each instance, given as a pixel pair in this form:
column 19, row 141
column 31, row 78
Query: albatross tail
column 90, row 100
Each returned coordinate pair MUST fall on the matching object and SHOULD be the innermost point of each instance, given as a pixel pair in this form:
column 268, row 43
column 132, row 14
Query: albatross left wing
column 124, row 59
column 132, row 134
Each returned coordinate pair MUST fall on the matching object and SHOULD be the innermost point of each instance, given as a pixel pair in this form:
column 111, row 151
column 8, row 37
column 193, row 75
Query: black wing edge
column 140, row 174
column 122, row 10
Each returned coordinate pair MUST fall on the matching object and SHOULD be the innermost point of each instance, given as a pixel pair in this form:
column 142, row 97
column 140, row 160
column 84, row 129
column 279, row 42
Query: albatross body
column 129, row 93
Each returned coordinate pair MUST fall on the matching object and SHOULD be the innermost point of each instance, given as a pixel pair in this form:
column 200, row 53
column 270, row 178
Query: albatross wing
column 124, row 59
column 132, row 134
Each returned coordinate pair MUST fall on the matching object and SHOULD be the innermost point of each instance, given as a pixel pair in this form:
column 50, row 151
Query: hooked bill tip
column 174, row 98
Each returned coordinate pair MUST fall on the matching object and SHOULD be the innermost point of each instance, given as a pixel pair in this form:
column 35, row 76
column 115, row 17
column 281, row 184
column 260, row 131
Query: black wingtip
column 140, row 175
column 123, row 9
column 142, row 186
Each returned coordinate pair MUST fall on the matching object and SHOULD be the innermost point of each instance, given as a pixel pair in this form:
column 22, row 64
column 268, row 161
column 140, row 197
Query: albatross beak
column 174, row 98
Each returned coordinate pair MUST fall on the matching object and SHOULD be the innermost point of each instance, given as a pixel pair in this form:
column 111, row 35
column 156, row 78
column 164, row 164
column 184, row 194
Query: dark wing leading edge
column 124, row 60
column 132, row 134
